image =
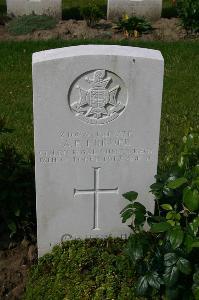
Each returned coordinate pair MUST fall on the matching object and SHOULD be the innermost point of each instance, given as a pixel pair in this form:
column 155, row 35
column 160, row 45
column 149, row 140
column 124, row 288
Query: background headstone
column 38, row 7
column 149, row 9
column 96, row 118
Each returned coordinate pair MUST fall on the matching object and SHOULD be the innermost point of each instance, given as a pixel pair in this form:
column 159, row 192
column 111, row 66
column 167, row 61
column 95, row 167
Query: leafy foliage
column 71, row 9
column 133, row 26
column 166, row 257
column 27, row 24
column 91, row 13
column 17, row 192
column 188, row 11
column 169, row 9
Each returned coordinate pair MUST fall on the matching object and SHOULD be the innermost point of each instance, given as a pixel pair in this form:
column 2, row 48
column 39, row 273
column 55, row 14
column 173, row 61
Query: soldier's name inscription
column 99, row 147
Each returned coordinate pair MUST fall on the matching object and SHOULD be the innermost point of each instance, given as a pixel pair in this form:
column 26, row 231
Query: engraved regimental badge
column 98, row 97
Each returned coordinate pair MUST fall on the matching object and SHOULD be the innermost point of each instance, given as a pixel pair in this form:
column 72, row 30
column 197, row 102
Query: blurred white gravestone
column 149, row 9
column 39, row 7
column 96, row 120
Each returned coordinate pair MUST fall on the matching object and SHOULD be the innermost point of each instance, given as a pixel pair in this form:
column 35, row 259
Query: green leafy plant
column 17, row 192
column 133, row 26
column 188, row 11
column 30, row 23
column 91, row 13
column 90, row 269
column 166, row 257
column 71, row 9
column 169, row 9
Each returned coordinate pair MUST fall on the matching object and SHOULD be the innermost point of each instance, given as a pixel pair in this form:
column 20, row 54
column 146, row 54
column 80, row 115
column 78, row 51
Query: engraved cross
column 95, row 192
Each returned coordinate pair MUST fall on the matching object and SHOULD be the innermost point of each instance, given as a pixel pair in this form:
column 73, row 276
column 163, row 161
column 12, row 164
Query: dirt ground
column 164, row 30
column 14, row 266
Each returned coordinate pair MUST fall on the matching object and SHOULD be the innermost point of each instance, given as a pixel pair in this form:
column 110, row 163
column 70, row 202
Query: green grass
column 28, row 24
column 180, row 108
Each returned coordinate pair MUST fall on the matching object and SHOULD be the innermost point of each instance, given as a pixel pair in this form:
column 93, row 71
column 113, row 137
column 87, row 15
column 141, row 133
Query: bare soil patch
column 164, row 30
column 14, row 266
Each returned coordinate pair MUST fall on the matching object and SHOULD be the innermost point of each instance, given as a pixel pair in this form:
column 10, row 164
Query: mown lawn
column 180, row 109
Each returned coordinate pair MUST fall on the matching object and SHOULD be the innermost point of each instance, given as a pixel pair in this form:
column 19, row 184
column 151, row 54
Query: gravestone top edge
column 85, row 50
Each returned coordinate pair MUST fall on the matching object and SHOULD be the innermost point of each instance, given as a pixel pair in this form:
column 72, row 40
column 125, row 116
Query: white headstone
column 96, row 118
column 149, row 9
column 38, row 7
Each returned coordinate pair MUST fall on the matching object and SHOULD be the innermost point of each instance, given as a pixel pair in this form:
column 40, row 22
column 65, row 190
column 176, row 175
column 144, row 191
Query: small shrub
column 166, row 257
column 134, row 26
column 91, row 14
column 188, row 11
column 17, row 193
column 74, row 9
column 169, row 9
column 28, row 24
column 90, row 269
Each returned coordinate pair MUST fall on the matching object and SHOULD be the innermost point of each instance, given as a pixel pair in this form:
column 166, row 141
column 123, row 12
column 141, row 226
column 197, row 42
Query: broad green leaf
column 190, row 140
column 160, row 227
column 171, row 275
column 17, row 213
column 131, row 196
column 176, row 236
column 171, row 222
column 167, row 207
column 195, row 289
column 191, row 199
column 156, row 186
column 195, row 244
column 196, row 182
column 154, row 280
column 196, row 277
column 139, row 218
column 172, row 293
column 142, row 285
column 181, row 161
column 12, row 226
column 135, row 248
column 157, row 219
column 195, row 225
column 126, row 208
column 196, row 170
column 168, row 192
column 184, row 266
column 140, row 207
column 188, row 242
column 170, row 259
column 126, row 215
column 177, row 183
column 170, row 215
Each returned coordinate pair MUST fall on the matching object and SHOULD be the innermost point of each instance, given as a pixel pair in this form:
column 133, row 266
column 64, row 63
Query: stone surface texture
column 38, row 7
column 96, row 126
column 149, row 9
